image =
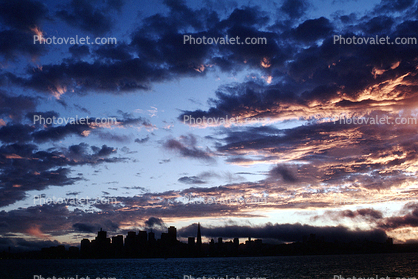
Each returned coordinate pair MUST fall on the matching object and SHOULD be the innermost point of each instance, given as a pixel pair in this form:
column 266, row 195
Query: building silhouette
column 145, row 245
column 198, row 251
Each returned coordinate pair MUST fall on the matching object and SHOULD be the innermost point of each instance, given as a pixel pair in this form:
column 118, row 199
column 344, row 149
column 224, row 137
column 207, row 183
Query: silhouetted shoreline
column 144, row 245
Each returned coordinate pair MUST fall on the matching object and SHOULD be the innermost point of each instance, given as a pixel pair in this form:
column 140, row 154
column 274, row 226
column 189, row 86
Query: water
column 391, row 265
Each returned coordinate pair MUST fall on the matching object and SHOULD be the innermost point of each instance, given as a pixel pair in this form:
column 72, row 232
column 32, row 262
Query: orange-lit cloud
column 35, row 231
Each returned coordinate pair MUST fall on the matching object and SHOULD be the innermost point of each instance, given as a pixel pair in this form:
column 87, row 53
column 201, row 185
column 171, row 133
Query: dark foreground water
column 346, row 266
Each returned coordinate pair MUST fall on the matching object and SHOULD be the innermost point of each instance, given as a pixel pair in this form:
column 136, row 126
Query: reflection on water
column 391, row 265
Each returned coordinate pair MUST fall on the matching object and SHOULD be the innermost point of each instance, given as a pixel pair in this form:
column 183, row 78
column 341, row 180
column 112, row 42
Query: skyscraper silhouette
column 199, row 241
column 199, row 235
column 172, row 235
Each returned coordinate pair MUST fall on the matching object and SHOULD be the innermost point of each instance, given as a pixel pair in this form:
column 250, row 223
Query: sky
column 291, row 162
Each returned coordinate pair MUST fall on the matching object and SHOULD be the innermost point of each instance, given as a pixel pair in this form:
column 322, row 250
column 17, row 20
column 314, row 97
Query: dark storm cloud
column 127, row 75
column 25, row 168
column 80, row 227
column 22, row 14
column 83, row 109
column 369, row 214
column 56, row 219
column 325, row 78
column 379, row 25
column 408, row 220
column 312, row 30
column 287, row 232
column 47, row 128
column 21, row 17
column 88, row 17
column 18, row 244
column 186, row 146
column 15, row 43
column 127, row 121
column 78, row 51
column 15, row 133
column 388, row 6
column 115, row 4
column 18, row 181
column 73, row 193
column 191, row 180
column 153, row 222
column 143, row 140
column 108, row 136
column 104, row 151
column 310, row 71
column 15, row 107
column 294, row 8
column 284, row 173
column 60, row 132
column 158, row 44
column 259, row 138
column 94, row 228
column 119, row 52
column 233, row 98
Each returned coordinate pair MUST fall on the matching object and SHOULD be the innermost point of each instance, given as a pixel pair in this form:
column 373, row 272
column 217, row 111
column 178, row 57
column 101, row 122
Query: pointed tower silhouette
column 199, row 235
column 199, row 241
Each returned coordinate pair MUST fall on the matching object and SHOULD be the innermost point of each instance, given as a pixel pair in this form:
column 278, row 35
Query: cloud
column 60, row 132
column 114, row 52
column 408, row 220
column 294, row 9
column 143, row 140
column 85, row 227
column 22, row 17
column 85, row 16
column 154, row 222
column 20, row 244
column 287, row 232
column 368, row 214
column 25, row 168
column 15, row 107
column 104, row 151
column 324, row 152
column 295, row 53
column 16, row 43
column 186, row 147
column 44, row 128
column 312, row 30
column 78, row 51
column 22, row 14
column 283, row 173
column 108, row 136
column 191, row 180
column 15, row 133
column 300, row 80
column 169, row 57
column 387, row 6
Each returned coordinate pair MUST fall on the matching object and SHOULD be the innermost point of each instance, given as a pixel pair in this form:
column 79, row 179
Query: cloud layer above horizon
column 300, row 154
